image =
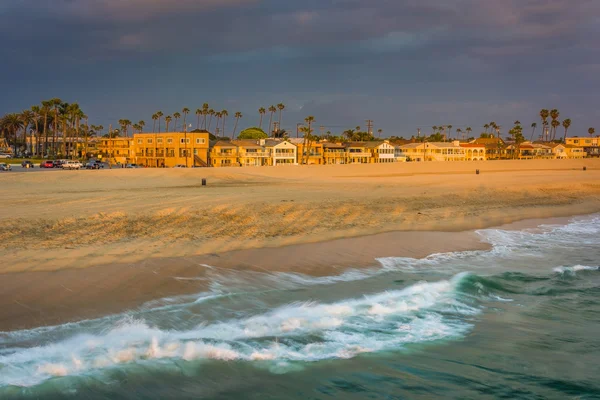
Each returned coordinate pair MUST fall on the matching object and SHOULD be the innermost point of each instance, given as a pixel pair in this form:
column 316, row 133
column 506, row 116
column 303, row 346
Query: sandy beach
column 79, row 244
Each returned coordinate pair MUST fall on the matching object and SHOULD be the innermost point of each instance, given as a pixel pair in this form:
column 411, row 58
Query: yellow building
column 251, row 153
column 224, row 153
column 313, row 155
column 334, row 153
column 358, row 153
column 157, row 149
column 381, row 152
column 583, row 141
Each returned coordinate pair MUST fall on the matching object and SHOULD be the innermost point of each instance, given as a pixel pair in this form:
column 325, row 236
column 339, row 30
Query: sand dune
column 75, row 219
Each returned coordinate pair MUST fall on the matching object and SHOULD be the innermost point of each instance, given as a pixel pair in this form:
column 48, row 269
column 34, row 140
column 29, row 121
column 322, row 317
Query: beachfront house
column 116, row 150
column 282, row 151
column 224, row 153
column 399, row 155
column 495, row 147
column 313, row 155
column 334, row 153
column 580, row 152
column 357, row 153
column 473, row 151
column 381, row 152
column 156, row 149
column 251, row 153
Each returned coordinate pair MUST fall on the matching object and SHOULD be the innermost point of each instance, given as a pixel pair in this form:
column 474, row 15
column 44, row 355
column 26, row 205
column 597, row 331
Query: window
column 140, row 141
column 150, row 141
column 199, row 140
column 184, row 141
column 159, row 140
column 195, row 152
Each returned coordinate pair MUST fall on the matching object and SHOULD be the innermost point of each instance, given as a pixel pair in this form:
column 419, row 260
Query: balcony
column 359, row 154
column 255, row 154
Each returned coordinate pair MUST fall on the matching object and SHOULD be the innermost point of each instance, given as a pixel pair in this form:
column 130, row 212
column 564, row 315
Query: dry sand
column 134, row 231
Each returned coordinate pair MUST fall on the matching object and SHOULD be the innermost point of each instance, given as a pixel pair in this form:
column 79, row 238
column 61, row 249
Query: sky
column 405, row 64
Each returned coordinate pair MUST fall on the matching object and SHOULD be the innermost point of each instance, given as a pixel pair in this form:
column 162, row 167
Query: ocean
column 521, row 320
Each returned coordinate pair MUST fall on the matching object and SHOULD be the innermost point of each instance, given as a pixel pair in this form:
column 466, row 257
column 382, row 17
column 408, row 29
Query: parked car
column 93, row 165
column 5, row 167
column 71, row 165
column 132, row 166
column 27, row 164
column 47, row 164
column 180, row 166
column 3, row 155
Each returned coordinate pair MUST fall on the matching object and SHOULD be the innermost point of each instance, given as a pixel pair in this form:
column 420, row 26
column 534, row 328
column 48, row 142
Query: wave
column 574, row 269
column 295, row 333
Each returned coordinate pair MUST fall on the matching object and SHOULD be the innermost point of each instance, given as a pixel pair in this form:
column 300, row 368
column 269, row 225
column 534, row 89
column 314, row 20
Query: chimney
column 261, row 142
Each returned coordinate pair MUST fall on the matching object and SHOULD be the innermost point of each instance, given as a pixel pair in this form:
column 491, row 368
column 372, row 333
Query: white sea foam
column 298, row 332
column 574, row 269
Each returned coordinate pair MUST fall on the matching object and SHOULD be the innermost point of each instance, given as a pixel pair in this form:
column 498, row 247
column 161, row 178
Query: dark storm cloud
column 434, row 60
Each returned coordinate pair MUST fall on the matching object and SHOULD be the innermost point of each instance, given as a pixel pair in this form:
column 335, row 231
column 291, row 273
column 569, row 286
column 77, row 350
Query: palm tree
column 554, row 114
column 46, row 107
column 544, row 116
column 224, row 115
column 591, row 131
column 533, row 125
column 26, row 117
column 35, row 114
column 261, row 111
column 154, row 118
column 486, row 126
column 435, row 128
column 159, row 114
column 379, row 132
column 206, row 111
column 12, row 123
column 238, row 115
column 185, row 112
column 272, row 109
column 210, row 112
column 176, row 116
column 198, row 114
column 168, row 120
column 555, row 124
column 458, row 132
column 469, row 130
column 136, row 127
column 280, row 107
column 141, row 124
column 56, row 102
column 449, row 130
column 307, row 138
column 218, row 115
column 566, row 124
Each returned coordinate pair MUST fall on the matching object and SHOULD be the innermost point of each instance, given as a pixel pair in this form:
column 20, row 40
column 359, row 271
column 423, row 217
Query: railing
column 224, row 154
column 359, row 154
column 256, row 154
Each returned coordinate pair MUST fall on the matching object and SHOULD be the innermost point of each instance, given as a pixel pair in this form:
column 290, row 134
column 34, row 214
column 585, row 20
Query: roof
column 472, row 145
column 296, row 140
column 486, row 141
column 223, row 143
column 327, row 145
column 374, row 144
column 411, row 145
column 356, row 144
column 275, row 142
column 247, row 143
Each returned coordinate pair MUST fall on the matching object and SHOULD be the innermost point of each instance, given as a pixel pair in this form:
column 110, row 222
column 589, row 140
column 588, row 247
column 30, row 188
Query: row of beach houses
column 196, row 150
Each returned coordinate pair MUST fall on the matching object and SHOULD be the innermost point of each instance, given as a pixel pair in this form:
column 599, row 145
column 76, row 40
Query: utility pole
column 418, row 132
column 322, row 130
column 370, row 127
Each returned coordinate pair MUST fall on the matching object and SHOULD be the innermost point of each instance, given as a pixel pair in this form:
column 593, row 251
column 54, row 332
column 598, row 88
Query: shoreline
column 44, row 298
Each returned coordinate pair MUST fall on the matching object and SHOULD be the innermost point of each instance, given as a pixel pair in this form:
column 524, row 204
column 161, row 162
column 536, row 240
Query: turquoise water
column 519, row 321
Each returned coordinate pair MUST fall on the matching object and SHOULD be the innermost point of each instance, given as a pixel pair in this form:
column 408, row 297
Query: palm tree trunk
column 55, row 131
column 234, row 128
column 270, row 121
column 198, row 124
column 532, row 134
column 260, row 123
column 64, row 138
column 224, row 118
column 45, row 148
column 209, row 122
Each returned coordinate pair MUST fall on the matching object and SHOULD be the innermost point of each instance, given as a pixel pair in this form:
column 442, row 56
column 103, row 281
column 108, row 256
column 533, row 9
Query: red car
column 47, row 164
